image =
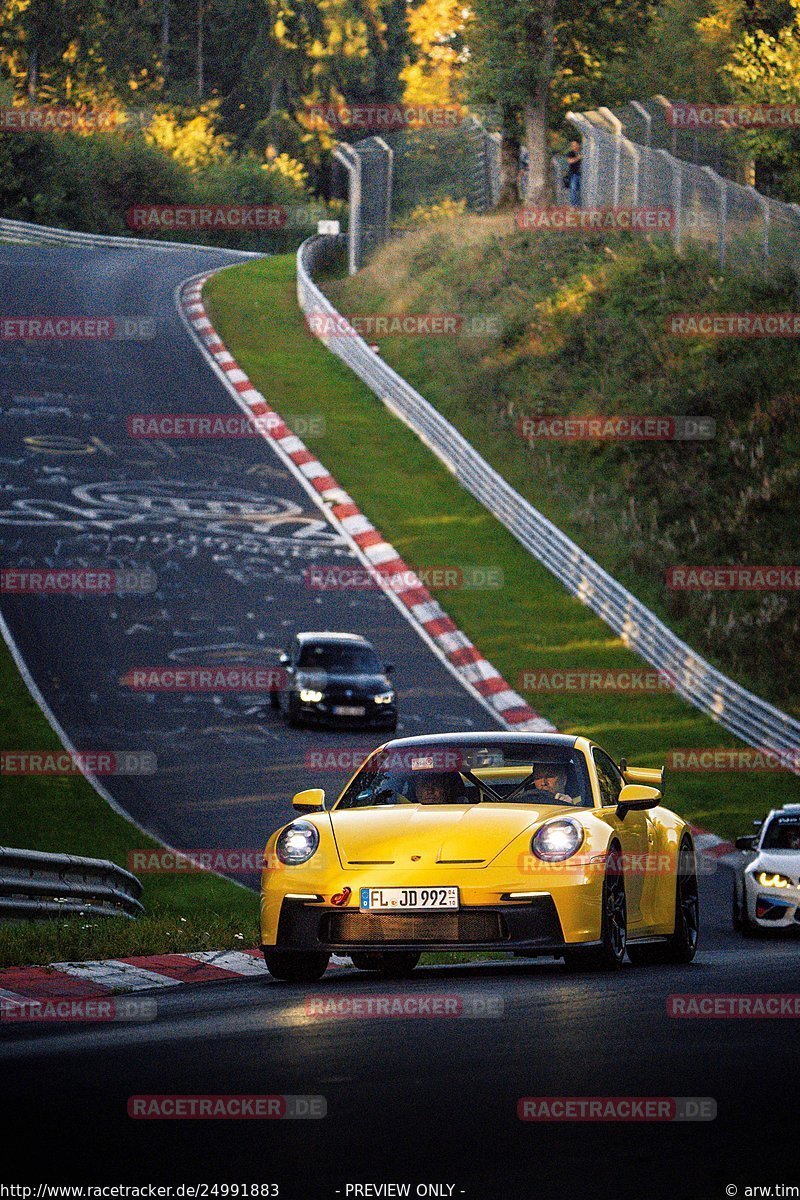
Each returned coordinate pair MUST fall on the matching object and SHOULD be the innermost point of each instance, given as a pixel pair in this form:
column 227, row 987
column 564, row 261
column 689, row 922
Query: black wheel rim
column 616, row 910
column 688, row 900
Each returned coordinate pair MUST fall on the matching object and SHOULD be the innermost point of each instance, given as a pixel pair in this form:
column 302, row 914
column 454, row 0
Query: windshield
column 342, row 659
column 441, row 774
column 782, row 833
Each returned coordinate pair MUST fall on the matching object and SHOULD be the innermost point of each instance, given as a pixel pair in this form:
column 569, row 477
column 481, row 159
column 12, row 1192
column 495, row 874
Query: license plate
column 348, row 710
column 391, row 899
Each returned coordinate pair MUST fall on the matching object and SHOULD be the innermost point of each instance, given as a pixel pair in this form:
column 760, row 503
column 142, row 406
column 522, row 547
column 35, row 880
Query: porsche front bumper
column 530, row 926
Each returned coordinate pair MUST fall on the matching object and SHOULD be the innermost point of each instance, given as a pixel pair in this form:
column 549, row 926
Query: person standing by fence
column 572, row 179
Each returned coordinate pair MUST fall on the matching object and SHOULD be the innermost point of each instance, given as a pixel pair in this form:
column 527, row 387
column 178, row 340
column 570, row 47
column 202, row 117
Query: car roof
column 788, row 809
column 491, row 735
column 327, row 636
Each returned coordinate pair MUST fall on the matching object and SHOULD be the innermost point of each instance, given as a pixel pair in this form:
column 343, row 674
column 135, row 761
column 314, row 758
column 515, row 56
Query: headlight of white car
column 557, row 840
column 771, row 879
column 297, row 843
column 385, row 698
column 310, row 696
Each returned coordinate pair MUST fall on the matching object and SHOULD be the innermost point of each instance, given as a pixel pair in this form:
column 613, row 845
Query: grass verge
column 530, row 623
column 579, row 324
column 64, row 815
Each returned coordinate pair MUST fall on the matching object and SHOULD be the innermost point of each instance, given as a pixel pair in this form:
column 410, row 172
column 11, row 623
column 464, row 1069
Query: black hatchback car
column 336, row 679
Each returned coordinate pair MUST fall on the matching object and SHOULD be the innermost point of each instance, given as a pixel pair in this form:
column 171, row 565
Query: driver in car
column 552, row 778
column 440, row 787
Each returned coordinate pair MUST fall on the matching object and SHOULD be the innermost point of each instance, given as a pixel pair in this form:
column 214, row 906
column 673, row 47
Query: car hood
column 360, row 684
column 784, row 862
column 471, row 835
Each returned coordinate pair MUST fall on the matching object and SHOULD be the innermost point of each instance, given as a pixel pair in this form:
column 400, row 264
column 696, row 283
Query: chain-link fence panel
column 784, row 235
column 431, row 166
column 734, row 222
column 376, row 191
column 627, row 183
column 703, row 208
column 604, row 166
column 747, row 227
column 659, row 182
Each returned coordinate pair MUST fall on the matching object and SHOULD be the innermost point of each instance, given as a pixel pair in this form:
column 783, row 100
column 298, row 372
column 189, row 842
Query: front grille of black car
column 464, row 927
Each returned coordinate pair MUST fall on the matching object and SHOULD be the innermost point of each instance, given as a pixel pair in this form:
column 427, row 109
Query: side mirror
column 636, row 797
column 388, row 668
column 311, row 800
column 283, row 660
column 746, row 843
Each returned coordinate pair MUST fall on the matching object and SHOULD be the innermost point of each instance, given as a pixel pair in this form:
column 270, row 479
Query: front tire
column 295, row 966
column 681, row 946
column 736, row 911
column 610, row 954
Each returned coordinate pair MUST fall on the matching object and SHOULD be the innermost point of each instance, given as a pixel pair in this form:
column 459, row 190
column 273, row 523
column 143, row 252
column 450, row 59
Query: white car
column 766, row 888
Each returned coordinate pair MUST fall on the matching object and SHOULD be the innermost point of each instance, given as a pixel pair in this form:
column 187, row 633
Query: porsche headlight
column 771, row 879
column 384, row 698
column 297, row 843
column 557, row 840
column 310, row 696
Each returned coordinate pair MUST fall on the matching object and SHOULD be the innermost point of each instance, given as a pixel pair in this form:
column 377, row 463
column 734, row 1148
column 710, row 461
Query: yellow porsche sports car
column 539, row 845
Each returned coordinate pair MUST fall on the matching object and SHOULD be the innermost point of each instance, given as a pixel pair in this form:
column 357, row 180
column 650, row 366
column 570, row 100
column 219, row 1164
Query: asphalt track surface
column 226, row 529
column 429, row 1099
column 411, row 1101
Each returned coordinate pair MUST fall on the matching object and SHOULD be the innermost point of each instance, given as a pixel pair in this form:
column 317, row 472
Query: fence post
column 494, row 147
column 667, row 107
column 389, row 152
column 765, row 214
column 345, row 154
column 617, row 126
column 646, row 117
column 722, row 191
column 636, row 155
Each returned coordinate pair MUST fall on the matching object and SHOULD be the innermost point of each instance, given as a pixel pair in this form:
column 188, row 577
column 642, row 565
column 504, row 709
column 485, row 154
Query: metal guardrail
column 754, row 720
column 34, row 885
column 41, row 235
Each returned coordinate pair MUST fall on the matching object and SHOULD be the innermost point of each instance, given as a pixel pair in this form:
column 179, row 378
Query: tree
column 685, row 45
column 433, row 74
column 764, row 68
column 527, row 56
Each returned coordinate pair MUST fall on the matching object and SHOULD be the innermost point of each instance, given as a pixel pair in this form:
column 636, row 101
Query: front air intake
column 366, row 928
